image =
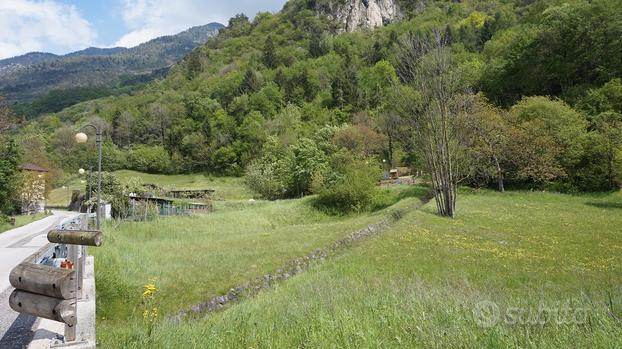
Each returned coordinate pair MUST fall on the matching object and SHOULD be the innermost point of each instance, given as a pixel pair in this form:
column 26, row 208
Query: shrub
column 309, row 162
column 360, row 139
column 286, row 172
column 268, row 180
column 352, row 188
column 10, row 157
column 113, row 191
column 270, row 176
column 150, row 159
column 114, row 158
column 556, row 120
column 225, row 161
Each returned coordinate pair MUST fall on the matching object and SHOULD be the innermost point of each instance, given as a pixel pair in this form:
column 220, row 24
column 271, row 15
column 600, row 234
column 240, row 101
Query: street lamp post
column 90, row 183
column 88, row 180
column 81, row 137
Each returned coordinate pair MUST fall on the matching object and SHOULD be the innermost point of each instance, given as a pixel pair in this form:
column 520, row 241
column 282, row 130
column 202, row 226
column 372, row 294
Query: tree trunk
column 44, row 280
column 499, row 175
column 61, row 310
column 390, row 150
column 610, row 173
column 75, row 237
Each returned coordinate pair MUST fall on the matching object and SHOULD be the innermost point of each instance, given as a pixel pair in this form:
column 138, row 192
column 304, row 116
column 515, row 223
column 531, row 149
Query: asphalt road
column 15, row 246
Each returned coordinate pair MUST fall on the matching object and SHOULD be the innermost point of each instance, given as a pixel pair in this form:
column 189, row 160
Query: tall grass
column 421, row 284
column 199, row 257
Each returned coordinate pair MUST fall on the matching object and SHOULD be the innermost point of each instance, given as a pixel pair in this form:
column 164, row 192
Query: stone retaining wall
column 295, row 266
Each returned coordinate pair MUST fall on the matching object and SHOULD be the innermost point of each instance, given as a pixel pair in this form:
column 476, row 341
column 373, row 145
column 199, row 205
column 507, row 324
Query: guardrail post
column 84, row 224
column 70, row 330
column 80, row 264
column 72, row 255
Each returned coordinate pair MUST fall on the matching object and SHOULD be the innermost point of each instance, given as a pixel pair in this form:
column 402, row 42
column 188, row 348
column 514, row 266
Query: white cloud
column 36, row 25
column 148, row 19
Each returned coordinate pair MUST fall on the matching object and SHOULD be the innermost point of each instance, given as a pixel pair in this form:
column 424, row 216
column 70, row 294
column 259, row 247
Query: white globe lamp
column 81, row 137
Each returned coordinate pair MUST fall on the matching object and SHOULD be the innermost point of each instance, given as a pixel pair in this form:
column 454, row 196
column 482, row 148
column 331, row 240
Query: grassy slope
column 417, row 284
column 62, row 196
column 21, row 221
column 228, row 188
column 195, row 258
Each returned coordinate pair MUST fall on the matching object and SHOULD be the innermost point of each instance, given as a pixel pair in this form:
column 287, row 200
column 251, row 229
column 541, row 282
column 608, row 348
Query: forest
column 296, row 106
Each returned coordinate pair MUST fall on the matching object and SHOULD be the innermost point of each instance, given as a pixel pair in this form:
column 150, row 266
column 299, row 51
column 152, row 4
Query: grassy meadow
column 21, row 221
column 195, row 258
column 61, row 196
column 483, row 279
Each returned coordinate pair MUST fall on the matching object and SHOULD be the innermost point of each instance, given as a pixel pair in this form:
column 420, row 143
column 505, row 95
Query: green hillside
column 291, row 76
column 40, row 82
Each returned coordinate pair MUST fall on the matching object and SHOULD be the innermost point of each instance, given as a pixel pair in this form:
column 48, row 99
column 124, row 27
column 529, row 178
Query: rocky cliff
column 351, row 15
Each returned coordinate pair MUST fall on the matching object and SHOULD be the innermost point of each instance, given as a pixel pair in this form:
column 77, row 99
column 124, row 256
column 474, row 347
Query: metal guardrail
column 46, row 253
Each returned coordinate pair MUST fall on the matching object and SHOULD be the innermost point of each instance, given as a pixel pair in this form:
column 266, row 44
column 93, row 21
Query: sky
column 63, row 26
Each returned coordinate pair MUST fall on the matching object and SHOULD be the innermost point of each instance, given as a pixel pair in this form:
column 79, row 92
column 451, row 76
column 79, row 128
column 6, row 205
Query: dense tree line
column 10, row 157
column 282, row 96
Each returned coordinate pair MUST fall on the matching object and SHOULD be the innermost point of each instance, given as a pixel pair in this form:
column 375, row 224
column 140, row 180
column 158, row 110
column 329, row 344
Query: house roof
column 32, row 167
column 151, row 198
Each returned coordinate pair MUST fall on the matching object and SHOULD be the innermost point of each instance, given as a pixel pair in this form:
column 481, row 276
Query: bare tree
column 391, row 125
column 160, row 116
column 435, row 100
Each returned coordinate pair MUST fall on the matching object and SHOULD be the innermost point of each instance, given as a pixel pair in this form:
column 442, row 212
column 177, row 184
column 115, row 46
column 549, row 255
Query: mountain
column 292, row 81
column 96, row 51
column 24, row 78
column 12, row 64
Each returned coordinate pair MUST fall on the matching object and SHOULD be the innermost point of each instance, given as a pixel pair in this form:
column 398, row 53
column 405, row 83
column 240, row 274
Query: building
column 398, row 172
column 32, row 194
